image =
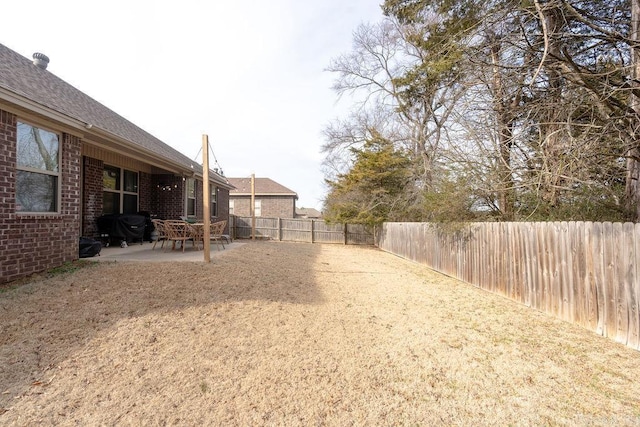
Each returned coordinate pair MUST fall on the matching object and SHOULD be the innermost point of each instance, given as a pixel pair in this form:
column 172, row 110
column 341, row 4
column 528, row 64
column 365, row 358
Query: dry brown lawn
column 297, row 334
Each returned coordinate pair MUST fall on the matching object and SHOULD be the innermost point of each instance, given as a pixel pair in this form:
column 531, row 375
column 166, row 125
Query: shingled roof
column 308, row 213
column 20, row 76
column 263, row 187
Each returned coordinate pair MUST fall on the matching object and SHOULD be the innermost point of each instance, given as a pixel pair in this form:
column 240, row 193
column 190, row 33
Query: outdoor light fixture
column 167, row 187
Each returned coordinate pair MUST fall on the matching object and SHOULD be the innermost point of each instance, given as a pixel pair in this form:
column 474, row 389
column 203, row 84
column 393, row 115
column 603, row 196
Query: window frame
column 189, row 198
column 121, row 192
column 257, row 207
column 57, row 174
column 213, row 201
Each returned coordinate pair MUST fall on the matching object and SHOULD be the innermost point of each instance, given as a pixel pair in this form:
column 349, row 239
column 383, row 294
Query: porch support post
column 206, row 193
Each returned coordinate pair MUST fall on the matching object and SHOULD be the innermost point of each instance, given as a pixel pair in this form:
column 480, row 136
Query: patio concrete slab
column 145, row 253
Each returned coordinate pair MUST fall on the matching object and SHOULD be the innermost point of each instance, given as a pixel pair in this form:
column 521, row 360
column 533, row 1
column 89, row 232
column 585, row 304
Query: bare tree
column 544, row 109
column 412, row 116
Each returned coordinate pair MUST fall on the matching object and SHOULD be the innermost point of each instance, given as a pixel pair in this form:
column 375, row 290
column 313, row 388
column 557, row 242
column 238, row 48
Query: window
column 258, row 207
column 120, row 190
column 191, row 197
column 231, row 207
column 130, row 193
column 213, row 201
column 38, row 169
column 111, row 190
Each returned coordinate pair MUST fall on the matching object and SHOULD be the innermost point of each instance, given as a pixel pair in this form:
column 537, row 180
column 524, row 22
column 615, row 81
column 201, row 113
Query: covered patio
column 144, row 252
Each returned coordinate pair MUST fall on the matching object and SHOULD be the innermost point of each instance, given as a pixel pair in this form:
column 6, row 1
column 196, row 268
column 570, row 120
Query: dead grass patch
column 297, row 334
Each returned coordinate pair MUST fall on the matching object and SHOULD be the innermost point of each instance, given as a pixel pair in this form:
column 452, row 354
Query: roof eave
column 218, row 179
column 21, row 105
column 131, row 149
column 266, row 194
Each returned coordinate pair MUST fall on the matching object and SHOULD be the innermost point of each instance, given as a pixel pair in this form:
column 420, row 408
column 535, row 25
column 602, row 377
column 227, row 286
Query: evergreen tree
column 372, row 191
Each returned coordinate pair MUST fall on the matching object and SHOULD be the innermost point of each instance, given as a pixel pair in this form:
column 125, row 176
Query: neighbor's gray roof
column 263, row 186
column 310, row 212
column 20, row 76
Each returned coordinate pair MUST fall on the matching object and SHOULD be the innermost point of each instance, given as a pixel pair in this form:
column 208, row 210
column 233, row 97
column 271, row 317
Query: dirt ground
column 297, row 334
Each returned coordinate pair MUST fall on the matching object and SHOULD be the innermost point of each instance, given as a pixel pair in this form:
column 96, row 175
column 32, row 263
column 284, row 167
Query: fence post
column 346, row 231
column 312, row 221
column 375, row 235
column 279, row 229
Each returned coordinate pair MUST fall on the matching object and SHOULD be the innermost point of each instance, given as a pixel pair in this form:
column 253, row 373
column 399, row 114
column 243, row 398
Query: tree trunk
column 632, row 185
column 503, row 109
column 553, row 116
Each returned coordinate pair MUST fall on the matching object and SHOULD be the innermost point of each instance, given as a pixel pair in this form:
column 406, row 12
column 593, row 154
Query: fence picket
column 527, row 289
column 533, row 267
column 624, row 264
column 600, row 276
column 571, row 282
column 609, row 277
column 589, row 280
column 543, row 253
column 634, row 294
column 575, row 265
column 516, row 256
column 563, row 254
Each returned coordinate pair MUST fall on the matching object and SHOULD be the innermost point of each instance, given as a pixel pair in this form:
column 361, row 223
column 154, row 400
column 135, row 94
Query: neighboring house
column 308, row 213
column 66, row 159
column 272, row 200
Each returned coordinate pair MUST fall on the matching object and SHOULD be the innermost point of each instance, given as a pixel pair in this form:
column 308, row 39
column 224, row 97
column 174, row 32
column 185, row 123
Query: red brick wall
column 7, row 165
column 223, row 202
column 271, row 206
column 155, row 195
column 169, row 204
column 34, row 243
column 278, row 207
column 199, row 199
column 92, row 196
column 145, row 188
column 223, row 207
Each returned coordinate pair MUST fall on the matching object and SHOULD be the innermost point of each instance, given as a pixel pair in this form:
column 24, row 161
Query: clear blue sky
column 249, row 74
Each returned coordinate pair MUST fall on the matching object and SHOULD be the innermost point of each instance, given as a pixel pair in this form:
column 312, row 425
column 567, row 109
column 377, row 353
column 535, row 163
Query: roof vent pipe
column 41, row 60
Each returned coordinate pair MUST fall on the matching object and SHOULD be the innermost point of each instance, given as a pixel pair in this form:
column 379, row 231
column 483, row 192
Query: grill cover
column 123, row 226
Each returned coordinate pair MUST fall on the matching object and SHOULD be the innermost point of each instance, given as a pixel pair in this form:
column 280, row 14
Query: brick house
column 66, row 159
column 272, row 200
column 308, row 213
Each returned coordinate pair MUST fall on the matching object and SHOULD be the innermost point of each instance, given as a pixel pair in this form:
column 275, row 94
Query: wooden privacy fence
column 582, row 272
column 302, row 230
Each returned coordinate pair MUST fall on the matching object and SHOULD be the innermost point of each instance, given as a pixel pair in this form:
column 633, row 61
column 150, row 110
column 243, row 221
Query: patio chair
column 178, row 231
column 217, row 228
column 197, row 234
column 158, row 224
